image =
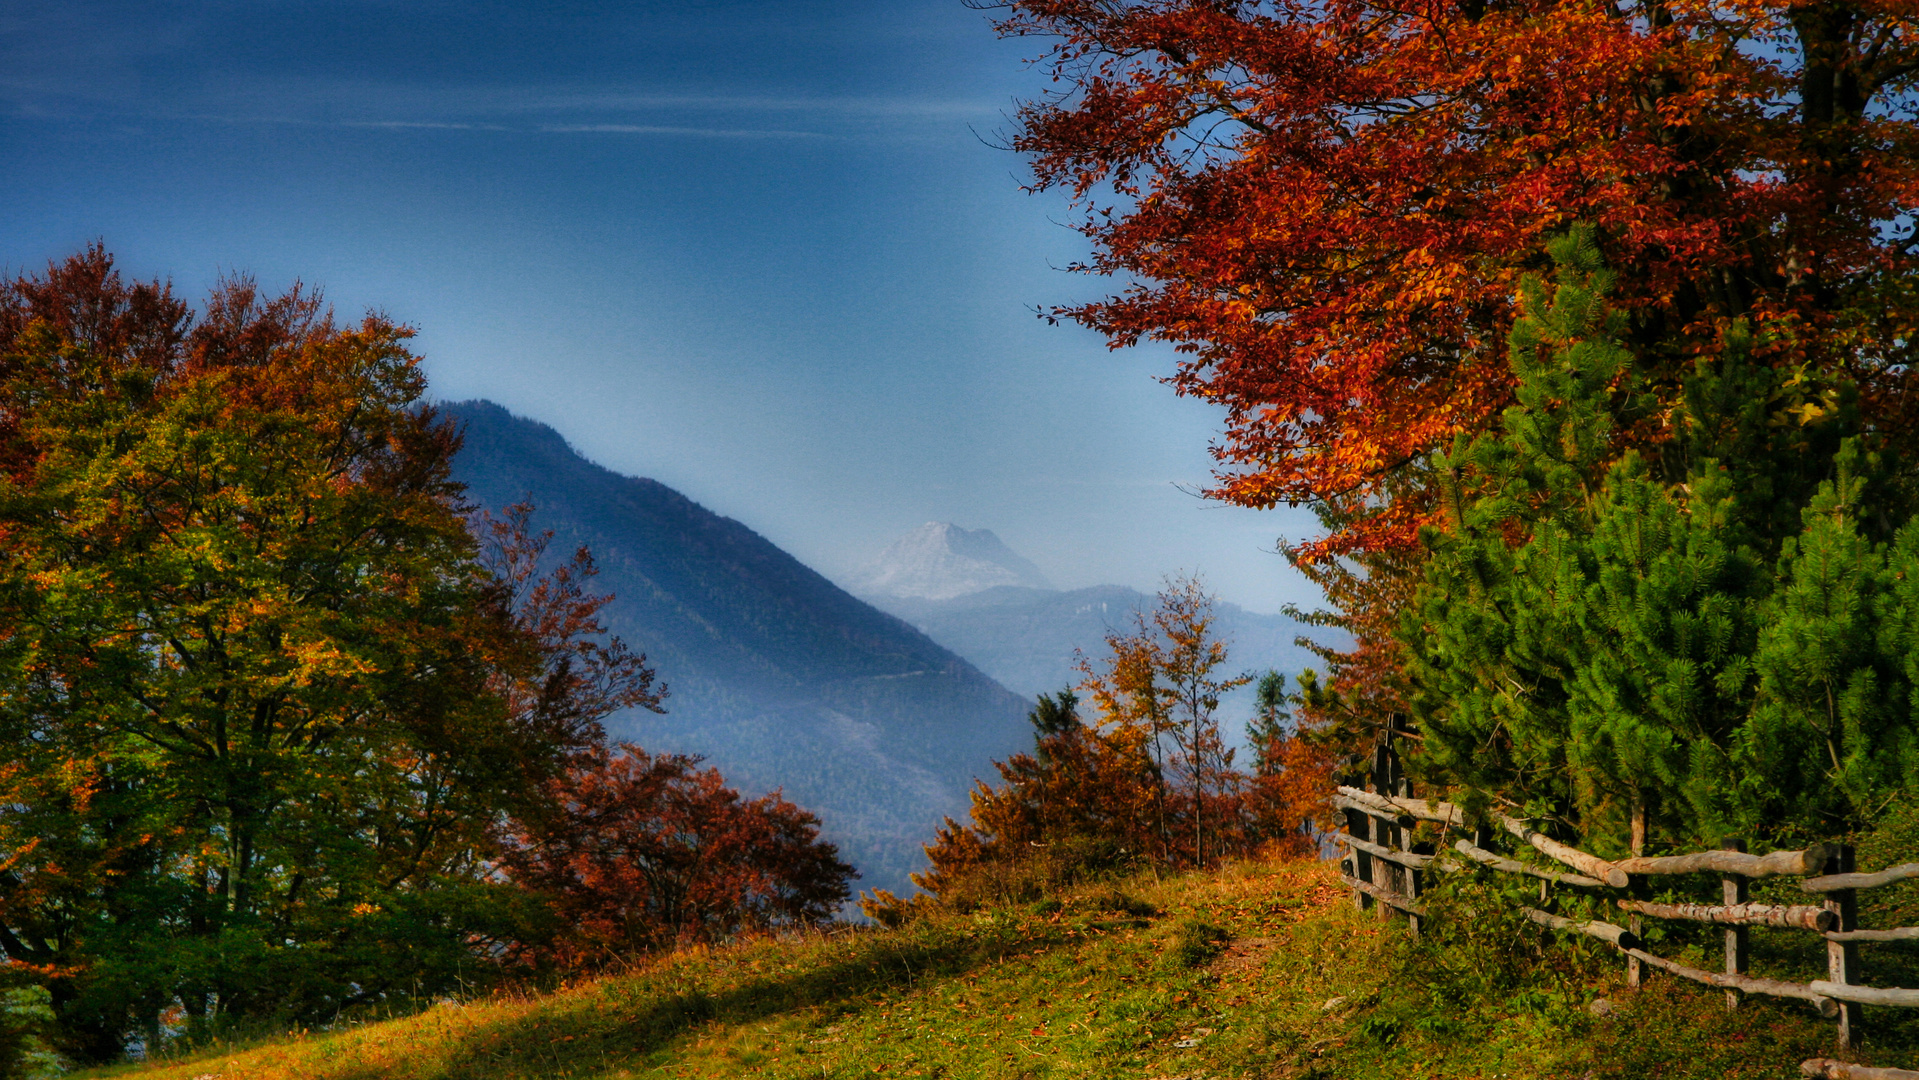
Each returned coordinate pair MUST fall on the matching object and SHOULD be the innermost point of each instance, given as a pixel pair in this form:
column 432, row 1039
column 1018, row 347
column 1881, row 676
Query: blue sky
column 763, row 252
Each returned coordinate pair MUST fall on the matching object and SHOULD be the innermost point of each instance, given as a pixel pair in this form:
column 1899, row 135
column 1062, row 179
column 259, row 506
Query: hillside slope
column 777, row 675
column 1303, row 987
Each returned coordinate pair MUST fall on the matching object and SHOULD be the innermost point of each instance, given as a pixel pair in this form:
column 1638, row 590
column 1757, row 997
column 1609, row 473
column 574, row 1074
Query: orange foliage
column 1286, row 802
column 1327, row 205
column 1150, row 781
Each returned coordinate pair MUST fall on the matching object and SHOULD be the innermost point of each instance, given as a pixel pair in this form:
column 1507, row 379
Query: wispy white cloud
column 664, row 129
column 433, row 125
column 620, row 100
column 377, row 105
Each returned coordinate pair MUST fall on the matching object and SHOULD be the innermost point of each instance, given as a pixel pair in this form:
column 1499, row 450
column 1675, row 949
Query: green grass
column 1256, row 971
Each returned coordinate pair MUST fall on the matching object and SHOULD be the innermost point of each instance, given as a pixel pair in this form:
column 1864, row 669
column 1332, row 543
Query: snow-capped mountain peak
column 940, row 560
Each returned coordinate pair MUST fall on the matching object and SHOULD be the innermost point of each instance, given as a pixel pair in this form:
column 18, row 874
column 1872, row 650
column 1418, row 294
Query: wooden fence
column 1384, row 869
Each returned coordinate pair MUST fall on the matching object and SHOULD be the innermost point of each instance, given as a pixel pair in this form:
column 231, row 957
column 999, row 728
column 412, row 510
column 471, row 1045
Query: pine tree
column 1267, row 732
column 1600, row 636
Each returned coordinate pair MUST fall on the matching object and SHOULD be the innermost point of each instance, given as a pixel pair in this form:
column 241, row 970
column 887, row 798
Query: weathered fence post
column 1734, row 891
column 1388, row 833
column 1635, row 970
column 1403, row 787
column 1842, row 957
column 1359, row 825
column 1418, row 886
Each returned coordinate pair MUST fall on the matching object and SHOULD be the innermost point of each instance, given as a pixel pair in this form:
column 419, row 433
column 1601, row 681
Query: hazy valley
column 876, row 711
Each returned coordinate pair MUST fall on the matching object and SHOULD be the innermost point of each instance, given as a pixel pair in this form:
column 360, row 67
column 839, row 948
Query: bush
column 1197, row 943
column 1030, row 874
column 1477, row 954
column 1892, row 840
column 892, row 912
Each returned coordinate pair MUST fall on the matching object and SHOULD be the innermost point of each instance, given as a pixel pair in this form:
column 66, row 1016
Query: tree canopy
column 1328, row 208
column 1643, row 660
column 275, row 704
column 1630, row 546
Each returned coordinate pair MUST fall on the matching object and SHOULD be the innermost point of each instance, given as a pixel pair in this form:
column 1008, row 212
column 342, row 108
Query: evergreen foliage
column 1266, row 732
column 1603, row 633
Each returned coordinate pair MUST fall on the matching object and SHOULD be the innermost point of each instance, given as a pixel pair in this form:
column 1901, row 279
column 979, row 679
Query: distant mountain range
column 940, row 560
column 1024, row 635
column 778, row 676
column 876, row 712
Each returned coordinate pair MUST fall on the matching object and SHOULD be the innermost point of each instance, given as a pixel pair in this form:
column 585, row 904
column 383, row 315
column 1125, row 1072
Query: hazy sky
column 761, row 251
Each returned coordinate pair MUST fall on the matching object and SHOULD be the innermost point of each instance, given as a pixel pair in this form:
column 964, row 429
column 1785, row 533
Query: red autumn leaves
column 1327, row 206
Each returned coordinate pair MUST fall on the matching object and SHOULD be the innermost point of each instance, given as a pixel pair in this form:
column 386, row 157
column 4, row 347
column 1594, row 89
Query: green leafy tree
column 255, row 748
column 1835, row 724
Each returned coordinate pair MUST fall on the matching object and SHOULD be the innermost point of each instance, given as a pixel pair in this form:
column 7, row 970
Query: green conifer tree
column 1638, row 645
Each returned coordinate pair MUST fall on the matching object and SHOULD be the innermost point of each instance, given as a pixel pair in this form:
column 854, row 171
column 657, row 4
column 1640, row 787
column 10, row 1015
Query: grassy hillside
column 1257, row 971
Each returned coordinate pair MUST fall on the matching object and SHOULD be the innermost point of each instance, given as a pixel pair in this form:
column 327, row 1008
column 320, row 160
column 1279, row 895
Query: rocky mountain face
column 777, row 676
column 940, row 560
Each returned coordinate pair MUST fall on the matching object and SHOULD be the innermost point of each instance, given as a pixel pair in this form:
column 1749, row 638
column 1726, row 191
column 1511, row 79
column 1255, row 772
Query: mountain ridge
column 779, row 677
column 1026, row 638
column 1029, row 637
column 939, row 561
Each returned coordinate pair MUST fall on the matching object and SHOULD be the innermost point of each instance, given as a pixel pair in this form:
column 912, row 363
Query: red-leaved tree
column 1327, row 207
column 631, row 851
column 649, row 851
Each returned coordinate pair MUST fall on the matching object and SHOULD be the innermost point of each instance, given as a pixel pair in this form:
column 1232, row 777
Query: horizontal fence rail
column 1796, row 916
column 1828, row 1069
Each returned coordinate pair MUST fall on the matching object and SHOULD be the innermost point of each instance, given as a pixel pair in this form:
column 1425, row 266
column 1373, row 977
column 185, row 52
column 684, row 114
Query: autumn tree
column 1327, row 208
column 1292, row 771
column 575, row 674
column 1164, row 679
column 264, row 703
column 652, row 851
column 1146, row 779
column 281, row 716
column 629, row 851
column 1081, row 802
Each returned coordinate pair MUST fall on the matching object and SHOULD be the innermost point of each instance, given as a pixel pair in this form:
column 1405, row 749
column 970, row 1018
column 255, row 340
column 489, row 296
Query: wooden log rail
column 1384, row 896
column 1827, row 1006
column 1828, row 1069
column 1448, row 814
column 1796, row 863
column 1618, row 937
column 1867, row 995
column 1377, row 851
column 1590, row 865
column 1395, row 809
column 1796, row 916
column 1513, row 866
column 1898, row 933
column 1837, row 882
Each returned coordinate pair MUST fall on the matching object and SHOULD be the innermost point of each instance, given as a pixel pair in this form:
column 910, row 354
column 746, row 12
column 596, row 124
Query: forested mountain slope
column 777, row 675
